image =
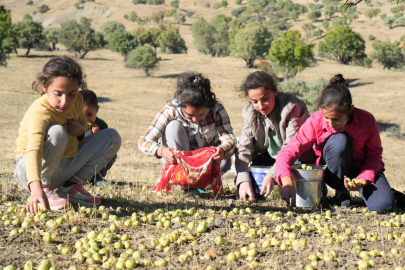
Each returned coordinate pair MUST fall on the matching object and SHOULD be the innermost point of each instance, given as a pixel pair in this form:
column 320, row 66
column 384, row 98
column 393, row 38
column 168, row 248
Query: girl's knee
column 386, row 206
column 57, row 136
column 173, row 127
column 114, row 136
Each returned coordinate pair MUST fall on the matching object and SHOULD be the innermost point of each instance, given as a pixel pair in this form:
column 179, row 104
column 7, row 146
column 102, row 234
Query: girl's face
column 62, row 93
column 194, row 114
column 263, row 100
column 335, row 118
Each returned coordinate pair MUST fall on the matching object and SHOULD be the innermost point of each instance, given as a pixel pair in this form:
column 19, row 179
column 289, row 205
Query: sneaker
column 195, row 191
column 77, row 194
column 342, row 198
column 400, row 196
column 55, row 201
column 103, row 183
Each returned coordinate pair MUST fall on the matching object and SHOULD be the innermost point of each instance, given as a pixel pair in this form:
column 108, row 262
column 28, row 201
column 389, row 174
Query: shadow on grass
column 352, row 84
column 103, row 99
column 382, row 127
column 170, row 76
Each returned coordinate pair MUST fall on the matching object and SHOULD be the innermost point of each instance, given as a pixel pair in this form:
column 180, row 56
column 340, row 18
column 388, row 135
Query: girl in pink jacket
column 347, row 140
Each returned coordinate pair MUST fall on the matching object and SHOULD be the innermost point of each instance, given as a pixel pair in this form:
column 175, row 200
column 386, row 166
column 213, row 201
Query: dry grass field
column 129, row 102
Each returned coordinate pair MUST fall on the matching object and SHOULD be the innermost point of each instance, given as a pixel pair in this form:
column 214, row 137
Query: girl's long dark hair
column 337, row 95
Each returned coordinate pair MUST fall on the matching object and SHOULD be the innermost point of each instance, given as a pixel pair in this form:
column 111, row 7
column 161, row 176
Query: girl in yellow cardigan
column 52, row 152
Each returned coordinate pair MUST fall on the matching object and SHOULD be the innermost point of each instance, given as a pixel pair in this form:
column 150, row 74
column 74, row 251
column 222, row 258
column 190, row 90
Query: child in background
column 52, row 152
column 90, row 108
column 193, row 120
column 347, row 140
column 270, row 121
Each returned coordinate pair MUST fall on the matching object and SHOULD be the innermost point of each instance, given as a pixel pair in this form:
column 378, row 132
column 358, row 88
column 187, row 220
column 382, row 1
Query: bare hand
column 356, row 187
column 37, row 196
column 169, row 156
column 219, row 154
column 75, row 128
column 267, row 185
column 94, row 127
column 288, row 190
column 245, row 189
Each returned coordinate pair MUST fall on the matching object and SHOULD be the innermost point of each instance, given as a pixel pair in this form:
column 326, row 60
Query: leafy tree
column 155, row 2
column 221, row 36
column 339, row 21
column 157, row 16
column 52, row 36
column 108, row 27
column 329, row 11
column 175, row 3
column 29, row 34
column 351, row 16
column 80, row 38
column 238, row 11
column 27, row 17
column 179, row 18
column 383, row 16
column 43, row 8
column 143, row 57
column 123, row 42
column 224, row 3
column 203, row 36
column 388, row 54
column 318, row 33
column 325, row 25
column 251, row 42
column 343, row 44
column 308, row 28
column 294, row 15
column 136, row 2
column 372, row 12
column 125, row 16
column 389, row 21
column 314, row 15
column 238, row 2
column 169, row 38
column 77, row 5
column 217, row 6
column 290, row 53
column 5, row 25
column 400, row 21
column 29, row 3
column 132, row 16
column 397, row 9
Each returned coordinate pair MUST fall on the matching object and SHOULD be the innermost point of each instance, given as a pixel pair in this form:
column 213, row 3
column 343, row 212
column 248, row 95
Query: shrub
column 139, row 2
column 27, row 17
column 125, row 16
column 307, row 92
column 189, row 13
column 217, row 5
column 238, row 2
column 224, row 3
column 77, row 5
column 175, row 3
column 155, row 2
column 207, row 5
column 30, row 2
column 132, row 16
column 143, row 57
column 43, row 8
column 238, row 11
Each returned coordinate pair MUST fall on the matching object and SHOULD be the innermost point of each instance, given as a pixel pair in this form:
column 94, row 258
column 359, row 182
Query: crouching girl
column 52, row 152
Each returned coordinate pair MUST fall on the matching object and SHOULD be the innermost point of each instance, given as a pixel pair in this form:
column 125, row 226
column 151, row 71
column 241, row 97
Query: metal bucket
column 308, row 184
column 258, row 173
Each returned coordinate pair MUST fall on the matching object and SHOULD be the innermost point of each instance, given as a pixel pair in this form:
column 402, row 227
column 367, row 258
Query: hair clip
column 197, row 78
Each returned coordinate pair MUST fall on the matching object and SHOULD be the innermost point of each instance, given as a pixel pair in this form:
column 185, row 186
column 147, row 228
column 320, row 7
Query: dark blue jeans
column 338, row 155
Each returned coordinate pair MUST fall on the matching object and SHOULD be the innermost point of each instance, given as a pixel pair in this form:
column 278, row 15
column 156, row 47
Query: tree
column 143, row 57
column 290, row 53
column 343, row 44
column 238, row 2
column 329, row 11
column 132, row 16
column 203, row 38
column 123, row 42
column 388, row 54
column 308, row 28
column 318, row 33
column 80, row 38
column 294, row 15
column 372, row 12
column 109, row 27
column 179, row 18
column 5, row 25
column 169, row 38
column 29, row 34
column 147, row 36
column 325, row 25
column 175, row 3
column 251, row 42
column 389, row 21
column 314, row 15
column 238, row 11
column 221, row 37
column 339, row 21
column 52, row 36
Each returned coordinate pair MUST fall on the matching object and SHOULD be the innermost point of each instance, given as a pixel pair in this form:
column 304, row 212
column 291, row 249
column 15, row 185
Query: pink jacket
column 363, row 132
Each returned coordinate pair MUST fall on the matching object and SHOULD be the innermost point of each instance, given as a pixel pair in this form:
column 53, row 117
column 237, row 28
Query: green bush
column 139, row 2
column 307, row 92
column 155, row 2
column 207, row 5
column 238, row 2
column 224, row 3
column 143, row 57
column 217, row 5
column 238, row 11
column 77, row 5
column 27, row 17
column 30, row 2
column 43, row 8
column 125, row 16
column 175, row 3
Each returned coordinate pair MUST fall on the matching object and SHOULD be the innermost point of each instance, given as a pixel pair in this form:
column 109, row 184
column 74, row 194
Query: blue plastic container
column 258, row 173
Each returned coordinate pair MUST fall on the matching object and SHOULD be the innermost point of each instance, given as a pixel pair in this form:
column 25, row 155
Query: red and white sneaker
column 55, row 201
column 77, row 194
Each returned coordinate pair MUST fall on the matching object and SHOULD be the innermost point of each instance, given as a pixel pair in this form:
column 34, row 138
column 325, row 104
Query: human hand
column 168, row 155
column 288, row 190
column 267, row 185
column 245, row 189
column 219, row 154
column 357, row 184
column 37, row 196
column 94, row 127
column 75, row 128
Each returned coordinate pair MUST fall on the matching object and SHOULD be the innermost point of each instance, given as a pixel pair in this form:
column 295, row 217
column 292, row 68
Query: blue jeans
column 337, row 153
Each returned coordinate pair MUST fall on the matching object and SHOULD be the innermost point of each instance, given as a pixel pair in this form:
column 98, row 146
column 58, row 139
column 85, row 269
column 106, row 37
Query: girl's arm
column 223, row 124
column 302, row 142
column 372, row 163
column 148, row 143
column 83, row 121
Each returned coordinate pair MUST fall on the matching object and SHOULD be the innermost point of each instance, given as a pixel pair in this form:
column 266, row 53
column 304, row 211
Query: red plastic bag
column 194, row 169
